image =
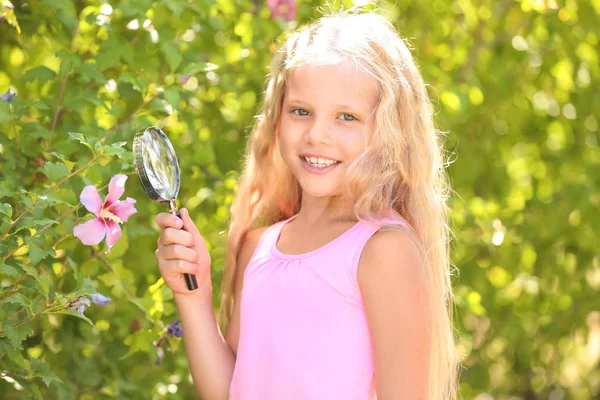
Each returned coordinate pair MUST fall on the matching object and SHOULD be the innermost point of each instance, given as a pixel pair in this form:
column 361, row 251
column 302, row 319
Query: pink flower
column 109, row 214
column 285, row 9
column 185, row 78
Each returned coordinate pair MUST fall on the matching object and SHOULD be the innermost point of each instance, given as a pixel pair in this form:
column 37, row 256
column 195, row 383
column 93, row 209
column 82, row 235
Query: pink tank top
column 303, row 329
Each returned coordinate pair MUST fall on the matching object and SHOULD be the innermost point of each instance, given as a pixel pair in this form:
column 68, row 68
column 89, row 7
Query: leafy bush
column 516, row 87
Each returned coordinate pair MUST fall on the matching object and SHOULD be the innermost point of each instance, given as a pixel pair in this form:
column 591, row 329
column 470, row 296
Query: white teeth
column 319, row 162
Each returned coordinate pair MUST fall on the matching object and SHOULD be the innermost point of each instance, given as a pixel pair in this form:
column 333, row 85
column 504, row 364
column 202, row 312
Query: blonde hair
column 401, row 170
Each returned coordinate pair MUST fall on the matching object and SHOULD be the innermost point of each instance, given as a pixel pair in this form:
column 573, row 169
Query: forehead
column 336, row 83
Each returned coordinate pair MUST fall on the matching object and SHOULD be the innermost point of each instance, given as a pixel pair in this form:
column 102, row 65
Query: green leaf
column 34, row 392
column 12, row 352
column 10, row 271
column 64, row 159
column 109, row 53
column 42, row 73
column 5, row 114
column 83, row 140
column 69, row 61
column 89, row 72
column 19, row 298
column 43, row 282
column 172, row 96
column 87, row 287
column 139, row 341
column 172, row 55
column 17, row 335
column 75, row 314
column 40, row 105
column 31, row 222
column 6, row 209
column 74, row 266
column 115, row 149
column 36, row 253
column 56, row 171
column 194, row 68
column 43, row 370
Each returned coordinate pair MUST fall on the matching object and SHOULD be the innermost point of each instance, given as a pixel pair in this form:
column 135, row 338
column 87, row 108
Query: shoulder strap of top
column 357, row 241
column 263, row 247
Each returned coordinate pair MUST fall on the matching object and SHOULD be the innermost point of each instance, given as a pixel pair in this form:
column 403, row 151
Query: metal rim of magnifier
column 138, row 159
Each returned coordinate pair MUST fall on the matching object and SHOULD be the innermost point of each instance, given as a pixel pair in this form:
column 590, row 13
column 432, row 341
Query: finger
column 166, row 220
column 175, row 236
column 179, row 266
column 199, row 243
column 176, row 251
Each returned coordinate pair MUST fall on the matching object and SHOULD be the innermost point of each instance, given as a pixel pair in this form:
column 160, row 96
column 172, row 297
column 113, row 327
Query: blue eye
column 350, row 115
column 299, row 109
column 302, row 111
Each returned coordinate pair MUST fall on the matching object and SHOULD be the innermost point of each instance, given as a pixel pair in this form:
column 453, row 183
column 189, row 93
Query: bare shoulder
column 248, row 245
column 396, row 296
column 244, row 254
column 389, row 253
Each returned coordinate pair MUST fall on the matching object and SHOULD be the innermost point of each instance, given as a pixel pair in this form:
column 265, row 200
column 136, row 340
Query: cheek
column 351, row 142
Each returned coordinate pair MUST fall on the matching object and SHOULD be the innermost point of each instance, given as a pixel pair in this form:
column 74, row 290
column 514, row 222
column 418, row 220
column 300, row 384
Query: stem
column 32, row 316
column 17, row 146
column 14, row 288
column 63, row 180
column 63, row 85
column 71, row 210
column 95, row 253
column 60, row 98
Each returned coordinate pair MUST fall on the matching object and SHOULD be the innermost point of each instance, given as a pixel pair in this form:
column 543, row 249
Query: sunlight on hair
column 400, row 174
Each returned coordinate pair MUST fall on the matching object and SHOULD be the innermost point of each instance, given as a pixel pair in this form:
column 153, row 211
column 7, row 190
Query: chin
column 316, row 190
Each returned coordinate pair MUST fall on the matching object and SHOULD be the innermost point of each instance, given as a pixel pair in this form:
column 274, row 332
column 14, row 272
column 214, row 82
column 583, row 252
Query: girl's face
column 327, row 112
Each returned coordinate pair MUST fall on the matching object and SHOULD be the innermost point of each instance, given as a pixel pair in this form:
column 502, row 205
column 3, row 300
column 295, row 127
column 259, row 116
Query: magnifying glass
column 157, row 168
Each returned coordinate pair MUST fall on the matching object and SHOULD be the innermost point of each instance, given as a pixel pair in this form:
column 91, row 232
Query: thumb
column 198, row 241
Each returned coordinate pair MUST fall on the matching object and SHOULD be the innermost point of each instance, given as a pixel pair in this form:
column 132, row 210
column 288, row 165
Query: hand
column 182, row 251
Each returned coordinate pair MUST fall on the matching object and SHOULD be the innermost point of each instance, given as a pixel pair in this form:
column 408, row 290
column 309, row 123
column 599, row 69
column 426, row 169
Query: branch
column 14, row 289
column 63, row 180
column 60, row 99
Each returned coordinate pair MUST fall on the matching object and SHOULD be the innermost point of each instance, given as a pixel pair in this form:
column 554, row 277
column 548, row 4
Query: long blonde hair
column 402, row 168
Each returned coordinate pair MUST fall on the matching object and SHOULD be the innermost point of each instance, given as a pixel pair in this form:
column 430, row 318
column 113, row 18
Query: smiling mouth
column 317, row 164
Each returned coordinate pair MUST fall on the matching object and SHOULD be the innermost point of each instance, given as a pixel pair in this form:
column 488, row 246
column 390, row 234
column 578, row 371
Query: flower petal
column 100, row 299
column 113, row 233
column 79, row 304
column 123, row 209
column 116, row 188
column 91, row 232
column 161, row 354
column 91, row 199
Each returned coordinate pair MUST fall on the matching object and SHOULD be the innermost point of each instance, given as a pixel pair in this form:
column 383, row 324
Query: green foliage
column 515, row 85
column 88, row 77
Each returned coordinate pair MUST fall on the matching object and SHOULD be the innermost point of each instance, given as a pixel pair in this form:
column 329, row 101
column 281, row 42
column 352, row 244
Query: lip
column 316, row 170
column 318, row 155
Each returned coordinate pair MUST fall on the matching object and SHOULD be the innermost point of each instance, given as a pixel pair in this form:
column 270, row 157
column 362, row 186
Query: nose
column 319, row 132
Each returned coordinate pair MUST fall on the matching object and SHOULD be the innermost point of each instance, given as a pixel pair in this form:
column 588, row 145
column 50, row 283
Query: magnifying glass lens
column 161, row 169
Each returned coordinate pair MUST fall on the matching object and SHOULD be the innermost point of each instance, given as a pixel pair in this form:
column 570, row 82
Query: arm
column 211, row 357
column 396, row 300
column 211, row 360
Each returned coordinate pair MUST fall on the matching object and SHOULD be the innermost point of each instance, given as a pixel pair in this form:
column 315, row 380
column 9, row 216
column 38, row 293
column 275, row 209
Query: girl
column 337, row 282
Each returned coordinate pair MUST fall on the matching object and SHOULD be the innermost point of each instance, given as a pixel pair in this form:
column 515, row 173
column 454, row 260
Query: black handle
column 190, row 279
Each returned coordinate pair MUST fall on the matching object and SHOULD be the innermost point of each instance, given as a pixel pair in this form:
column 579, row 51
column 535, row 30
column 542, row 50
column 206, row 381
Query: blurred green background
column 515, row 85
